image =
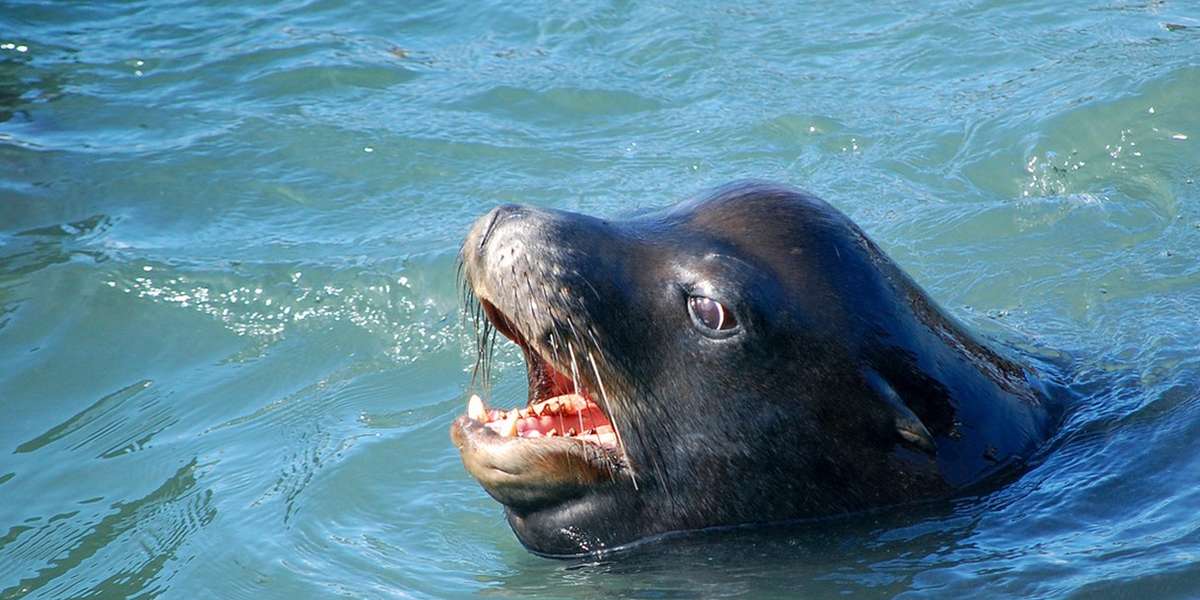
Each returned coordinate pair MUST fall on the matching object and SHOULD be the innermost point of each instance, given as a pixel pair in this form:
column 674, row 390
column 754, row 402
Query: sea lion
column 748, row 356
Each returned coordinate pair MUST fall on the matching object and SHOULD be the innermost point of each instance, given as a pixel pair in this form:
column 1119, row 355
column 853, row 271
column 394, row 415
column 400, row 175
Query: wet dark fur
column 801, row 414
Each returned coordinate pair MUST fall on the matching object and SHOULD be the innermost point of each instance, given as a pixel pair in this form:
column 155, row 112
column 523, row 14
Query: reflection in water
column 100, row 411
column 134, row 541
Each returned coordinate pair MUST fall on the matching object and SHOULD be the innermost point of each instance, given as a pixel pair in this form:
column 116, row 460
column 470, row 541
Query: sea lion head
column 730, row 360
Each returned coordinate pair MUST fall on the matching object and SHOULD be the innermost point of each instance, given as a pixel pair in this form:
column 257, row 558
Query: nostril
column 487, row 231
column 498, row 214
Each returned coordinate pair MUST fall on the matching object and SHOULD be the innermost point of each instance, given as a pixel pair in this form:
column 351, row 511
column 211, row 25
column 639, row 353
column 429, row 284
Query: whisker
column 574, row 368
column 616, row 430
column 591, row 287
column 554, row 322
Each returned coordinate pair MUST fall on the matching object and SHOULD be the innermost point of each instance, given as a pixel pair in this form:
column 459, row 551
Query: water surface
column 230, row 344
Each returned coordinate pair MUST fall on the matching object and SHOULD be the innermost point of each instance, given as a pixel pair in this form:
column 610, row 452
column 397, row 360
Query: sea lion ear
column 910, row 428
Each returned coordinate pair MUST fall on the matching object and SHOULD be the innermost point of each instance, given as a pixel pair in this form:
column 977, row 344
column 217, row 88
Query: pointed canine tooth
column 475, row 409
column 571, row 432
column 509, row 428
column 552, row 433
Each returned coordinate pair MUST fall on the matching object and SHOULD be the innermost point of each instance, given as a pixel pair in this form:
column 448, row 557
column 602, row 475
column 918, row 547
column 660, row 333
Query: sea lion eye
column 710, row 314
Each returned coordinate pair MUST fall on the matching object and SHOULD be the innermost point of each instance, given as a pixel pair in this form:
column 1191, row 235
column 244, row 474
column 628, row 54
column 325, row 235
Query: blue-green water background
column 230, row 344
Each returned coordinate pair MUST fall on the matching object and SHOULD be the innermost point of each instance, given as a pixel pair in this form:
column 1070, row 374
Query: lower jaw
column 530, row 474
column 586, row 527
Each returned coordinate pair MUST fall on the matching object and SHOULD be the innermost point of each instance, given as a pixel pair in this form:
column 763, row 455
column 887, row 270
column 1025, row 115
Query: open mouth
column 559, row 406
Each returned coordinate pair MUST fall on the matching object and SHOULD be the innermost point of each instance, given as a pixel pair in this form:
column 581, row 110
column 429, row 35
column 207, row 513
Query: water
column 230, row 345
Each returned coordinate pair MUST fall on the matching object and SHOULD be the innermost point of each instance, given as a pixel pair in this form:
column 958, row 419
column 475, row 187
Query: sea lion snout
column 486, row 224
column 507, row 239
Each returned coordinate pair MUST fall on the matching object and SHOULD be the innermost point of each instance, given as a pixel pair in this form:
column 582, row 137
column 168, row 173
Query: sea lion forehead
column 754, row 211
column 773, row 228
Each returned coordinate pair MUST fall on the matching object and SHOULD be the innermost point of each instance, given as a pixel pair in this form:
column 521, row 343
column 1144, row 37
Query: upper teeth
column 509, row 429
column 554, row 417
column 475, row 409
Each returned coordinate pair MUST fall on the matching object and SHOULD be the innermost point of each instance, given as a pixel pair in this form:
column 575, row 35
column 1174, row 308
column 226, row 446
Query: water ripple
column 228, row 309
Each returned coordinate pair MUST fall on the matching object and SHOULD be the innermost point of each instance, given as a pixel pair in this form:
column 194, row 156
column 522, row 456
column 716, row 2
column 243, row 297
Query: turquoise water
column 230, row 344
